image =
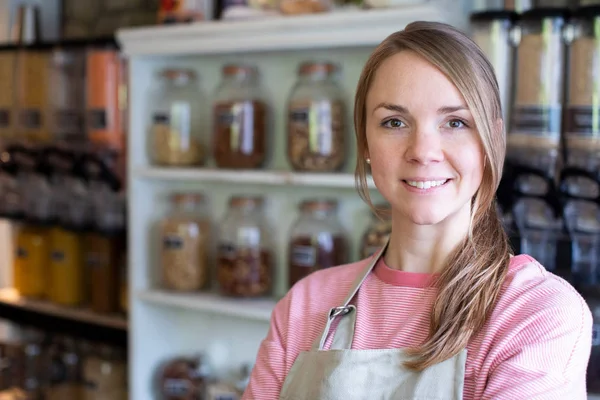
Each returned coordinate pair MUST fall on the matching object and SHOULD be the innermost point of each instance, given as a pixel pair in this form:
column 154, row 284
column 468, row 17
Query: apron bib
column 341, row 373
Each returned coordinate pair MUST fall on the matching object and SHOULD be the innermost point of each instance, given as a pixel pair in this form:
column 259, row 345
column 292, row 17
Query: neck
column 425, row 248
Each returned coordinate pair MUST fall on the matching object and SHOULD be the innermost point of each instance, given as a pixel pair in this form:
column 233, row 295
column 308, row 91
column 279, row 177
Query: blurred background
column 169, row 169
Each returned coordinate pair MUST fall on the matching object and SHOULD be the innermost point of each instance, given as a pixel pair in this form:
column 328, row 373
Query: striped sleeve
column 268, row 374
column 546, row 355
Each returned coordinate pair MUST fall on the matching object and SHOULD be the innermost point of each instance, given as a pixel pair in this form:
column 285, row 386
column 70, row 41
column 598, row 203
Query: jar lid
column 246, row 201
column 176, row 74
column 179, row 198
column 239, row 69
column 493, row 15
column 316, row 67
column 319, row 205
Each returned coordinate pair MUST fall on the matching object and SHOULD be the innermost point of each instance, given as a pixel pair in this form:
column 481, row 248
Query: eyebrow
column 401, row 109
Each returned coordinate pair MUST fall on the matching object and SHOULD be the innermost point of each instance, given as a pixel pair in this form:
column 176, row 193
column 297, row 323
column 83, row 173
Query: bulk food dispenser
column 533, row 140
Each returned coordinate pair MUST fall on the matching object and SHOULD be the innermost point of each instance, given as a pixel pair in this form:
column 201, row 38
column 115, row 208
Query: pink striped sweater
column 536, row 344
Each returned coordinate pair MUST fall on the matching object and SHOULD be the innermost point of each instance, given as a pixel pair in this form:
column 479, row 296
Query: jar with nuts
column 316, row 120
column 377, row 232
column 184, row 238
column 245, row 255
column 240, row 114
column 317, row 240
column 176, row 117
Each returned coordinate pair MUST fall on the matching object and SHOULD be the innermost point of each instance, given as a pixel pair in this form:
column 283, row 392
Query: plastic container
column 240, row 115
column 176, row 121
column 316, row 120
column 245, row 252
column 184, row 236
column 317, row 240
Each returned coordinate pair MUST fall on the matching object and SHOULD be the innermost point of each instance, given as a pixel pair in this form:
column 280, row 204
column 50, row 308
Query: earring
column 368, row 160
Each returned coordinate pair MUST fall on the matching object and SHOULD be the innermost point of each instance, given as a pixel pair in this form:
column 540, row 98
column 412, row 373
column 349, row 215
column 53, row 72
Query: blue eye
column 456, row 124
column 393, row 123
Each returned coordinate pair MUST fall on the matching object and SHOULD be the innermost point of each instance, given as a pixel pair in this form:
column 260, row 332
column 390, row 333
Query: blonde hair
column 470, row 284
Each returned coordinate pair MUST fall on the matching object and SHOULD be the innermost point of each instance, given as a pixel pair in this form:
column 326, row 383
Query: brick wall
column 93, row 18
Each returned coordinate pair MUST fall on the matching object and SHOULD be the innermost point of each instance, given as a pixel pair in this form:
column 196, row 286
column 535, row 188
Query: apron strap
column 344, row 333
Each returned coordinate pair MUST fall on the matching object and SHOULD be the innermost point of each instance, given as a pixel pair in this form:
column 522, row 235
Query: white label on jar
column 57, row 256
column 172, row 242
column 228, row 250
column 320, row 129
column 181, row 122
column 595, row 334
column 21, row 252
column 176, row 387
column 304, row 256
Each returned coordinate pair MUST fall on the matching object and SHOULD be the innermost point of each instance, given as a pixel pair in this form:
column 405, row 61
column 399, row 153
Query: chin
column 427, row 217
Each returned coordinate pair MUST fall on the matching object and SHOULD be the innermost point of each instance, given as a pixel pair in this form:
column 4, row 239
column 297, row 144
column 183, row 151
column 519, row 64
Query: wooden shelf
column 10, row 297
column 347, row 28
column 254, row 177
column 250, row 309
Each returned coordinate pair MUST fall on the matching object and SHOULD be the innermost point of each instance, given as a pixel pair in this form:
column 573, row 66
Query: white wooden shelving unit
column 164, row 324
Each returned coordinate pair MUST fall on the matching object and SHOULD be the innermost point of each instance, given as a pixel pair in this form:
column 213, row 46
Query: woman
column 443, row 311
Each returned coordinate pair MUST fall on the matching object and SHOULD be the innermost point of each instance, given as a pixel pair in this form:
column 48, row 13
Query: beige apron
column 345, row 374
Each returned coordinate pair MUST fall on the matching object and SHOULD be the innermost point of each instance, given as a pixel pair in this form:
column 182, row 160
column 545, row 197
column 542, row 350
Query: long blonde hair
column 470, row 284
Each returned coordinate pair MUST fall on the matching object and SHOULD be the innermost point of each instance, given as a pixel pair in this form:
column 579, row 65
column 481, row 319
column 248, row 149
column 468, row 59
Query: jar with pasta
column 317, row 239
column 316, row 139
column 534, row 136
column 240, row 118
column 105, row 374
column 175, row 138
column 378, row 231
column 245, row 258
column 184, row 238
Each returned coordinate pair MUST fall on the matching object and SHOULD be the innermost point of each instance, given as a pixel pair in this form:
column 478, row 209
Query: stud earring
column 368, row 160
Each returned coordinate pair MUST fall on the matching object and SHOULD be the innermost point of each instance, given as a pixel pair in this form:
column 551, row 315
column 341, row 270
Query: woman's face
column 426, row 155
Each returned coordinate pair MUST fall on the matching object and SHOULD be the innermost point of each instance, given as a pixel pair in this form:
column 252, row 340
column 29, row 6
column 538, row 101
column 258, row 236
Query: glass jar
column 105, row 374
column 492, row 32
column 8, row 57
column 240, row 115
column 64, row 370
column 316, row 120
column 317, row 240
column 34, row 364
column 296, row 7
column 176, row 121
column 581, row 126
column 536, row 116
column 67, row 94
column 245, row 259
column 184, row 235
column 377, row 233
column 105, row 245
column 184, row 378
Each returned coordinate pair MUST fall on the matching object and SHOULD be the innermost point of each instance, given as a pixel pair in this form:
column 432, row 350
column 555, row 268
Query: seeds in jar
column 244, row 272
column 308, row 254
column 316, row 140
column 240, row 134
column 184, row 254
column 174, row 145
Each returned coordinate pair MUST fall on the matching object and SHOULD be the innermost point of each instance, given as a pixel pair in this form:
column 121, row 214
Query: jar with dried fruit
column 316, row 120
column 317, row 240
column 184, row 235
column 184, row 378
column 176, row 117
column 240, row 114
column 245, row 259
column 377, row 232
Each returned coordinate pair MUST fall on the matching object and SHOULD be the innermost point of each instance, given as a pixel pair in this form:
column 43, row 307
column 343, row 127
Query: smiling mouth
column 426, row 184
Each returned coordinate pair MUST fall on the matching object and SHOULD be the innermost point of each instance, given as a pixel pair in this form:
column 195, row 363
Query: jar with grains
column 316, row 120
column 581, row 127
column 184, row 378
column 105, row 245
column 317, row 239
column 536, row 117
column 105, row 374
column 240, row 119
column 245, row 253
column 8, row 57
column 378, row 231
column 176, row 117
column 184, row 236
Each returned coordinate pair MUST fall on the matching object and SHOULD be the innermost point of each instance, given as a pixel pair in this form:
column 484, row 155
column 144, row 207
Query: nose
column 424, row 147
